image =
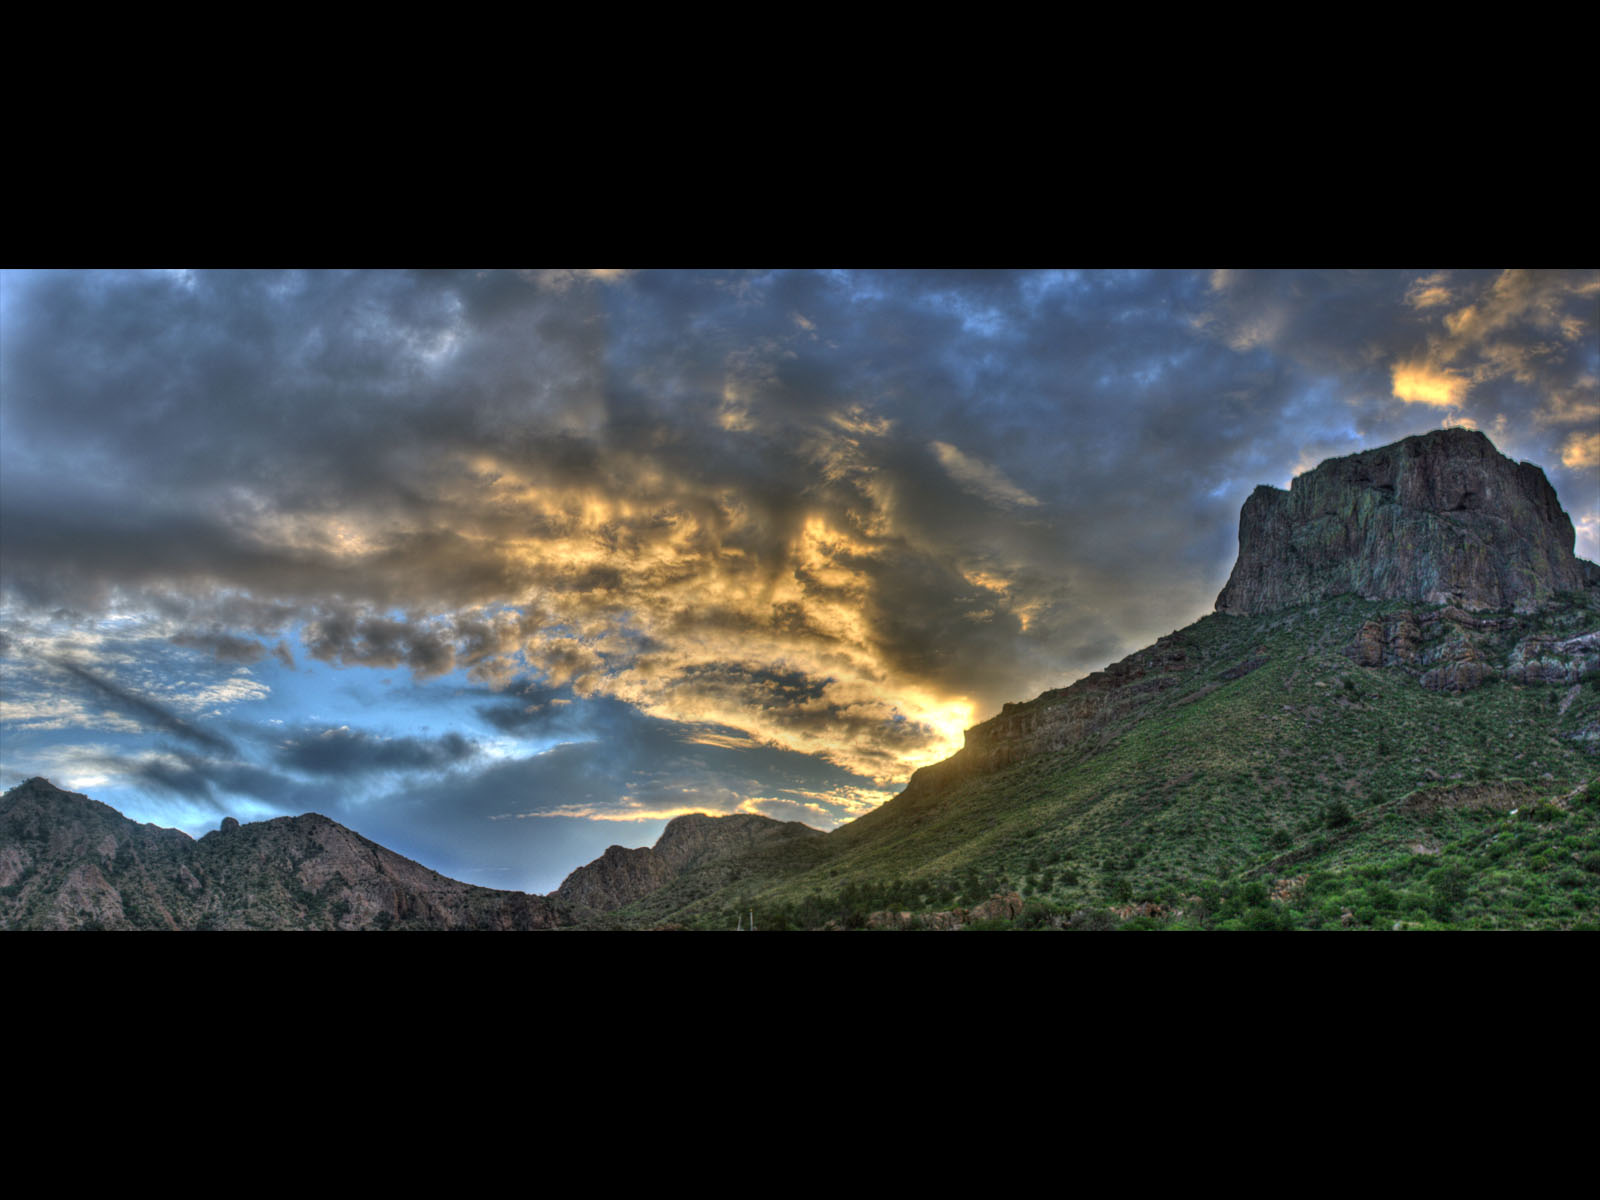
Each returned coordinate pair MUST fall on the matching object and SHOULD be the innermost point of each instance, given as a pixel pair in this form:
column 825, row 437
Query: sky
column 501, row 568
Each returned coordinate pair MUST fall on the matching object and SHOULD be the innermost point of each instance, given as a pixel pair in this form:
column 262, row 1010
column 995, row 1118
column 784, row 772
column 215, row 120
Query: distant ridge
column 69, row 862
column 620, row 876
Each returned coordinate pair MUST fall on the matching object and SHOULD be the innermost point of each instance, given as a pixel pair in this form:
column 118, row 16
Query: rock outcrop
column 1450, row 650
column 620, row 876
column 1442, row 518
column 69, row 862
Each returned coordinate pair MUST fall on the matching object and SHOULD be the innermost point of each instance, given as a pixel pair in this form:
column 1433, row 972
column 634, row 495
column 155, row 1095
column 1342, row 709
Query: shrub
column 1382, row 897
column 1093, row 919
column 1265, row 918
column 1035, row 914
column 1449, row 886
column 1336, row 815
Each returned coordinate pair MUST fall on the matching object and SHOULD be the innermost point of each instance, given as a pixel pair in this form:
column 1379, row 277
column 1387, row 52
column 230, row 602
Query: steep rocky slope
column 1442, row 518
column 621, row 876
column 69, row 862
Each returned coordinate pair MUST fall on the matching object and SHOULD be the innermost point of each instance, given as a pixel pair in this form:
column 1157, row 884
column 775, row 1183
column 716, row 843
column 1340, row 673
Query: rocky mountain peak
column 620, row 876
column 1440, row 518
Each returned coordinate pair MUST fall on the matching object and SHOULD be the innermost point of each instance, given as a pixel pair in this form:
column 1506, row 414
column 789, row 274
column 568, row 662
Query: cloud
column 225, row 647
column 1521, row 325
column 41, row 713
column 1575, row 405
column 1418, row 383
column 1581, row 450
column 342, row 751
column 1429, row 291
column 980, row 478
column 144, row 710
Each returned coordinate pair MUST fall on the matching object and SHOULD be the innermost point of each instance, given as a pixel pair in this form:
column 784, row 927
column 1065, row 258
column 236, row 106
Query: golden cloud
column 1521, row 323
column 1430, row 291
column 1418, row 383
column 691, row 606
column 1581, row 450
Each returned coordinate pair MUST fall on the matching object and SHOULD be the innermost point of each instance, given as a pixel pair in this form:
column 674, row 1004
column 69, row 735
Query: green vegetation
column 1305, row 792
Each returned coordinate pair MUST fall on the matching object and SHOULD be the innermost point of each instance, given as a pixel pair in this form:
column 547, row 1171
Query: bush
column 1449, row 886
column 1336, row 815
column 1093, row 919
column 1265, row 918
column 1035, row 914
column 1382, row 897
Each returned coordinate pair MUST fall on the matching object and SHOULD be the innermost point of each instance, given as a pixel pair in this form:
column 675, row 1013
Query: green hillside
column 1266, row 781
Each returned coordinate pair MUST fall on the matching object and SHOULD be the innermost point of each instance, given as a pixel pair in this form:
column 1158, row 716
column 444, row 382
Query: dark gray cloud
column 223, row 646
column 343, row 751
column 143, row 709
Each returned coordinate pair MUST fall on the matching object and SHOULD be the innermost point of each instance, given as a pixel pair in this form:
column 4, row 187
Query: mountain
column 69, row 862
column 620, row 876
column 1393, row 717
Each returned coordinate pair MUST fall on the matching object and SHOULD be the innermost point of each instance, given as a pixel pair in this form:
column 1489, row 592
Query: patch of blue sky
column 859, row 287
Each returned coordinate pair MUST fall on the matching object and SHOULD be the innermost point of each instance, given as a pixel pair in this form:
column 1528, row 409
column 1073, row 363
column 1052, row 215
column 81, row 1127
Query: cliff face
column 1443, row 518
column 620, row 876
column 68, row 862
